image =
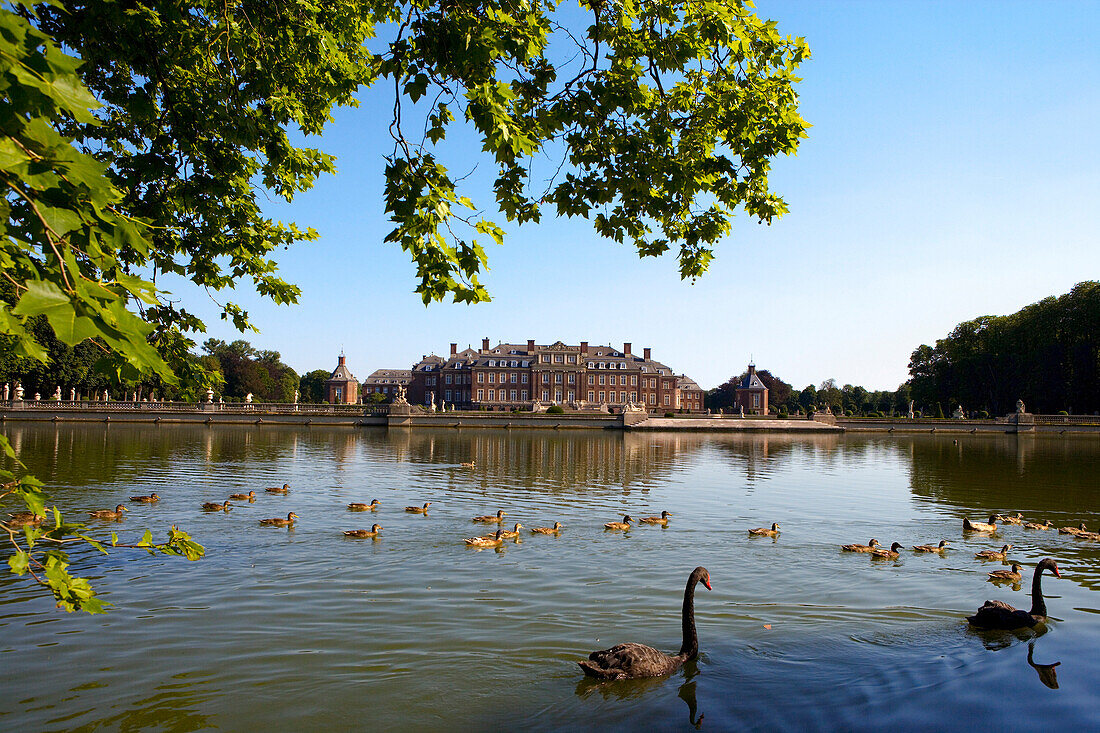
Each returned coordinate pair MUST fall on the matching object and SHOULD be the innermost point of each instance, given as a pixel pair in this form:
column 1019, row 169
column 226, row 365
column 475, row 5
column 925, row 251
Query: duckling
column 1034, row 525
column 765, row 532
column 861, row 548
column 1094, row 536
column 250, row 497
column 623, row 525
column 969, row 526
column 491, row 518
column 556, row 529
column 993, row 554
column 1007, row 576
column 932, row 548
column 107, row 513
column 1018, row 519
column 661, row 520
column 418, row 509
column 24, row 519
column 491, row 541
column 1073, row 530
column 470, row 464
column 151, row 499
column 280, row 522
column 372, row 532
column 213, row 506
column 509, row 535
column 284, row 489
column 361, row 507
column 891, row 554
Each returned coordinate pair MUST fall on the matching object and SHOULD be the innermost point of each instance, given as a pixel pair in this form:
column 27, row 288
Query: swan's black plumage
column 1000, row 615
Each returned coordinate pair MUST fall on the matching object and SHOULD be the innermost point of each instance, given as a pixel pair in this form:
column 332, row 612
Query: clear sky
column 952, row 171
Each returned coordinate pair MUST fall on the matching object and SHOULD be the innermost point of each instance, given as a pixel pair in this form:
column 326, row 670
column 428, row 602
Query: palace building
column 516, row 376
column 342, row 388
column 752, row 394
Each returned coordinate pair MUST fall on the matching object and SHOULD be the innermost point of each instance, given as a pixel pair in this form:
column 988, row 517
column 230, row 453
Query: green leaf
column 19, row 562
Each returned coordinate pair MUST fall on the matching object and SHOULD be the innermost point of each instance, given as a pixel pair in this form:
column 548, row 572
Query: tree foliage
column 246, row 370
column 312, row 385
column 1047, row 354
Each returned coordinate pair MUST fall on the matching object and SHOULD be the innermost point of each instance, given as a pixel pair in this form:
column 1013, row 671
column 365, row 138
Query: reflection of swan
column 1047, row 674
column 1000, row 615
column 630, row 660
column 687, row 694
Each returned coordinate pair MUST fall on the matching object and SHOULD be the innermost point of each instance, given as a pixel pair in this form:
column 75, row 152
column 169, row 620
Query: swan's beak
column 1056, row 573
column 706, row 582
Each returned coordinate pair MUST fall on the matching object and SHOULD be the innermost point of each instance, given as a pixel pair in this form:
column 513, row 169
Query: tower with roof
column 752, row 393
column 342, row 388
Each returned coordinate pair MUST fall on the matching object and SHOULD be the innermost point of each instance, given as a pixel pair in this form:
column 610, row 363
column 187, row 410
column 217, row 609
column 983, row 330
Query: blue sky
column 951, row 171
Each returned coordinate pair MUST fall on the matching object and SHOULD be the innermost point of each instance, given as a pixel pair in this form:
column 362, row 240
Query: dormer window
column 515, row 364
column 492, row 362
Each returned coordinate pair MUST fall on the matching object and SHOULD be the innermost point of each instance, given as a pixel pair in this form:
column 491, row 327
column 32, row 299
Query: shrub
column 783, row 415
column 554, row 410
column 669, row 414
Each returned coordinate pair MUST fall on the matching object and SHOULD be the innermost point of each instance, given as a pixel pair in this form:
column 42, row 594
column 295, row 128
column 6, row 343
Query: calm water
column 305, row 629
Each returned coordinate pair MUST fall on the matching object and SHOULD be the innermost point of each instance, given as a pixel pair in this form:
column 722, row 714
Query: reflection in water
column 1047, row 674
column 687, row 694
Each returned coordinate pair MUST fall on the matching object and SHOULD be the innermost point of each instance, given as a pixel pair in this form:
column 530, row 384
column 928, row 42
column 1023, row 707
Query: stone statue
column 72, row 394
column 1020, row 407
column 7, row 391
column 431, row 406
column 210, row 396
column 37, row 397
column 742, row 408
column 958, row 414
column 399, row 398
column 221, row 400
column 19, row 391
column 106, row 396
column 57, row 393
column 295, row 396
column 248, row 398
column 910, row 415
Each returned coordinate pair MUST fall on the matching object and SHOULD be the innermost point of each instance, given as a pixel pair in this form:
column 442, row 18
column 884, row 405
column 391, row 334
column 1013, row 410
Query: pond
column 303, row 628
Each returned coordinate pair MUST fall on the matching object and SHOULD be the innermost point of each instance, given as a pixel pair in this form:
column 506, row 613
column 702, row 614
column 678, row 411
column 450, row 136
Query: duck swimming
column 861, row 548
column 280, row 522
column 622, row 526
column 213, row 506
column 510, row 534
column 491, row 541
column 993, row 554
column 150, row 499
column 372, row 532
column 24, row 519
column 662, row 520
column 991, row 526
column 932, row 548
column 1034, row 525
column 891, row 554
column 765, row 532
column 556, row 529
column 418, row 509
column 1018, row 519
column 1000, row 615
column 249, row 497
column 361, row 507
column 491, row 518
column 1073, row 530
column 1007, row 576
column 284, row 489
column 108, row 513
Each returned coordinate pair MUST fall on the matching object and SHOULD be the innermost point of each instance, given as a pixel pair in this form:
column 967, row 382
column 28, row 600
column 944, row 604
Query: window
column 557, row 378
column 513, row 378
column 572, row 359
column 602, row 379
column 514, row 364
column 667, row 397
column 558, row 358
column 622, row 397
column 633, row 396
column 546, row 395
column 652, row 399
column 611, row 380
column 492, row 362
column 557, row 395
column 591, row 379
column 523, row 395
column 602, row 365
column 591, row 396
column 545, row 358
column 447, row 395
column 480, row 378
column 603, row 397
column 591, row 365
column 572, row 395
column 546, row 377
column 492, row 377
column 572, row 378
column 447, row 379
column 480, row 394
column 513, row 395
column 523, row 379
column 492, row 395
column 633, row 379
column 756, row 400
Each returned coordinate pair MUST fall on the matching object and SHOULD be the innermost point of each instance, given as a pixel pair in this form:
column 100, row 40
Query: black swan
column 1000, row 615
column 631, row 660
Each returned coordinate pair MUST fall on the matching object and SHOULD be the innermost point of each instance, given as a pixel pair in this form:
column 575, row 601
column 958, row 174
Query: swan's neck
column 690, row 647
column 1038, row 605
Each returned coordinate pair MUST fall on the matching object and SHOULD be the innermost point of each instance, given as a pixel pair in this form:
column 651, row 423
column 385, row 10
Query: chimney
column 752, row 368
column 484, row 345
column 530, row 346
column 645, row 352
column 626, row 348
column 454, row 349
column 341, row 361
column 584, row 347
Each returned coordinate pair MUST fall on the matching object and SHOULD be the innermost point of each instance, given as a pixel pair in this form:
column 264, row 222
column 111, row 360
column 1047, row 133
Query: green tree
column 313, row 385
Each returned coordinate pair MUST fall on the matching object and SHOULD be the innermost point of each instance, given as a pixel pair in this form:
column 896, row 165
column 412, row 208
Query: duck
column 661, row 520
column 623, row 525
column 418, row 509
column 991, row 526
column 357, row 506
column 490, row 541
column 1000, row 615
column 633, row 660
column 491, row 518
column 249, row 497
column 1072, row 530
column 151, row 499
column 861, row 548
column 279, row 521
column 1094, row 536
column 372, row 532
column 24, row 519
column 891, row 554
column 1035, row 525
column 284, row 489
column 1018, row 519
column 765, row 532
column 556, row 529
column 108, row 513
column 213, row 506
column 1006, row 576
column 932, row 548
column 469, row 464
column 509, row 534
column 993, row 554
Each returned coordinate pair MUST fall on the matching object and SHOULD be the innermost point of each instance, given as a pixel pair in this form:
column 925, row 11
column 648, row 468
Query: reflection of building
column 386, row 381
column 752, row 395
column 342, row 388
column 515, row 376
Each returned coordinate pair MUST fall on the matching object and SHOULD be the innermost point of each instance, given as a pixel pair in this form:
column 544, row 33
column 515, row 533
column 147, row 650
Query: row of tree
column 846, row 400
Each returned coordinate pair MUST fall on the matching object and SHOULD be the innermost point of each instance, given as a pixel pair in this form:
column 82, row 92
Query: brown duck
column 765, row 532
column 623, row 525
column 932, row 548
column 556, row 529
column 491, row 518
column 1000, row 615
column 249, row 497
column 861, row 548
column 108, row 513
column 357, row 506
column 891, row 554
column 1073, row 530
column 490, row 541
column 510, row 534
column 418, row 509
column 993, row 554
column 213, row 506
column 279, row 521
column 372, row 532
column 661, row 520
column 632, row 660
column 990, row 526
column 1007, row 576
column 150, row 499
column 284, row 489
column 1018, row 519
column 1035, row 525
column 24, row 519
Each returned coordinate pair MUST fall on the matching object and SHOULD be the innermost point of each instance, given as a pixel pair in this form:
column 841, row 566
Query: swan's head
column 1047, row 564
column 376, row 527
column 701, row 575
column 873, row 543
